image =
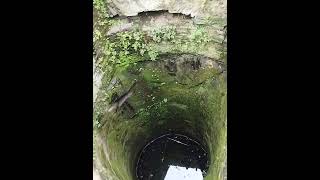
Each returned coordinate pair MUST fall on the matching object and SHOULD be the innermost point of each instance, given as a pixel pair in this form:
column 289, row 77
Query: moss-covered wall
column 173, row 94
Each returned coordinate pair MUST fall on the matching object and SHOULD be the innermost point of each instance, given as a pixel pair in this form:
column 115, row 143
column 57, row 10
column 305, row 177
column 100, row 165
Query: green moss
column 100, row 6
column 160, row 102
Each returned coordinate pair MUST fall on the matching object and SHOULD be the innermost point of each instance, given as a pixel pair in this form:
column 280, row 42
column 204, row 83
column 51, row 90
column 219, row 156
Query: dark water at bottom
column 167, row 151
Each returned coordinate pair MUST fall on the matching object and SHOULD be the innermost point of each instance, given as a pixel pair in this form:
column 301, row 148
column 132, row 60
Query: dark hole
column 156, row 13
column 152, row 13
column 170, row 150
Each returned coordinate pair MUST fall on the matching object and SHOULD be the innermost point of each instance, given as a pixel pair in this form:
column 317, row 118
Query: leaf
column 142, row 52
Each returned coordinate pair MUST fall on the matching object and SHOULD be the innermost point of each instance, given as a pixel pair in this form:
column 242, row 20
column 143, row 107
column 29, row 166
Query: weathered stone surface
column 188, row 69
column 97, row 76
column 120, row 28
column 183, row 90
column 184, row 26
column 194, row 8
column 164, row 101
column 96, row 175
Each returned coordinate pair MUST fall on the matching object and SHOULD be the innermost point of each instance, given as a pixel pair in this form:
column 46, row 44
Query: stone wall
column 194, row 8
column 190, row 98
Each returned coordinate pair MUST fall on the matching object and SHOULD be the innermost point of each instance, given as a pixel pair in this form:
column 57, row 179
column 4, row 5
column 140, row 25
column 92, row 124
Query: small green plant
column 97, row 124
column 100, row 6
column 127, row 48
column 96, row 120
column 199, row 36
column 153, row 54
column 114, row 22
column 102, row 22
column 143, row 49
column 170, row 33
column 96, row 35
column 156, row 35
column 165, row 33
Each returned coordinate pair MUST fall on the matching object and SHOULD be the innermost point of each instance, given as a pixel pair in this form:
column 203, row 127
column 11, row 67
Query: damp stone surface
column 160, row 75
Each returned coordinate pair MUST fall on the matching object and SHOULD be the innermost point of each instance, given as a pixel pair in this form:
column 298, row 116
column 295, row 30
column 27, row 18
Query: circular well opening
column 170, row 156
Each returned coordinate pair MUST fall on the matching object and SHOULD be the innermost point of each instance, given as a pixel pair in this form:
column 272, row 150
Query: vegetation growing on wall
column 129, row 47
column 199, row 36
column 124, row 50
column 167, row 33
column 100, row 6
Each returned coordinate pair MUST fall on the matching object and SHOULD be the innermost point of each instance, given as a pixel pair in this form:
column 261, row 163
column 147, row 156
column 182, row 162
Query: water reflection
column 172, row 155
column 177, row 173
